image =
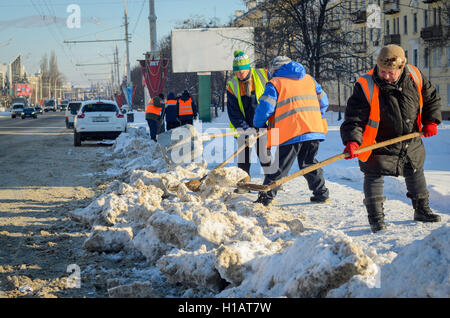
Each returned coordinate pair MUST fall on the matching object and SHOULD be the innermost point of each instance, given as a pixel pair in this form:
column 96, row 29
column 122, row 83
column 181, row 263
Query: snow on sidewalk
column 217, row 243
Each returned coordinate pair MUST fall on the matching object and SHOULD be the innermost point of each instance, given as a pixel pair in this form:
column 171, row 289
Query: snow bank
column 421, row 270
column 217, row 243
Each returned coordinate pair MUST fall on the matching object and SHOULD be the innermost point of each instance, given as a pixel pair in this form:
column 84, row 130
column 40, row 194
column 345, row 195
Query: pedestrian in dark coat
column 172, row 120
column 402, row 89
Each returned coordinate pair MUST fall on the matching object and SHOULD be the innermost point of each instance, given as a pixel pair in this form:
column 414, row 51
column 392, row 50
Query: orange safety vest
column 372, row 92
column 152, row 109
column 185, row 107
column 297, row 110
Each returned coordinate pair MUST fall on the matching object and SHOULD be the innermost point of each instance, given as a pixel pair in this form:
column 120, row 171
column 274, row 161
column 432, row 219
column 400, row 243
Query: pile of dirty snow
column 217, row 243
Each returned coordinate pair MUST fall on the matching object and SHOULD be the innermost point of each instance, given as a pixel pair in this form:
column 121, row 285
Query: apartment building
column 420, row 27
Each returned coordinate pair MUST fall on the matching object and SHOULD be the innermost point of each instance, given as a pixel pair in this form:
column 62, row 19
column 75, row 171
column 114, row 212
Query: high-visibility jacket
column 297, row 110
column 185, row 108
column 372, row 92
column 151, row 108
column 259, row 80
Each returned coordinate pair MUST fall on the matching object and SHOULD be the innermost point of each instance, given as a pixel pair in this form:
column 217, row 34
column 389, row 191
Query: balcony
column 391, row 6
column 359, row 16
column 432, row 33
column 429, row 1
column 334, row 25
column 360, row 47
column 392, row 39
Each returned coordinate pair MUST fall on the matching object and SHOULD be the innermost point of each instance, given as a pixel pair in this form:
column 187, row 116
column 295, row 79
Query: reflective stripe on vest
column 371, row 92
column 297, row 110
column 151, row 108
column 185, row 107
column 171, row 102
column 259, row 79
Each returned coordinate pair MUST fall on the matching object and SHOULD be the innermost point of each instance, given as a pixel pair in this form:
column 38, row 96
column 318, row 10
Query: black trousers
column 187, row 121
column 414, row 180
column 172, row 124
column 262, row 152
column 305, row 153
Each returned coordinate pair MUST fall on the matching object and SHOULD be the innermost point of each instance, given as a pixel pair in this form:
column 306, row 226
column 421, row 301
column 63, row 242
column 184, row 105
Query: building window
column 405, row 24
column 415, row 57
column 406, row 55
column 425, row 18
column 425, row 58
column 437, row 88
column 415, row 22
column 387, row 28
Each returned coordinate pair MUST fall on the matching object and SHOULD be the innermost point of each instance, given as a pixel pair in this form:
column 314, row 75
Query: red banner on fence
column 154, row 73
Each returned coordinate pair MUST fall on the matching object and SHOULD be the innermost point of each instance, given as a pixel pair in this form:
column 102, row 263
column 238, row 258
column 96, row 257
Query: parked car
column 28, row 112
column 71, row 112
column 98, row 120
column 17, row 109
column 39, row 110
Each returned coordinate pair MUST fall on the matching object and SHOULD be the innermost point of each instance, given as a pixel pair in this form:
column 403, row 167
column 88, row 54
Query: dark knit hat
column 392, row 57
column 241, row 61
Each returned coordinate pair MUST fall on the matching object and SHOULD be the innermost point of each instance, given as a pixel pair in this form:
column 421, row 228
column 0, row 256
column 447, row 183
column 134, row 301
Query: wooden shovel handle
column 328, row 161
column 240, row 150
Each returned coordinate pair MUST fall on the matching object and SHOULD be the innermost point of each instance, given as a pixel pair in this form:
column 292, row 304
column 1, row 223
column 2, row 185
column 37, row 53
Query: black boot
column 374, row 206
column 422, row 211
column 264, row 199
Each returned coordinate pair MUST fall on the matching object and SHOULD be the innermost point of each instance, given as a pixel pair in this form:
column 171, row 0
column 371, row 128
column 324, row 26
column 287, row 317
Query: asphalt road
column 16, row 133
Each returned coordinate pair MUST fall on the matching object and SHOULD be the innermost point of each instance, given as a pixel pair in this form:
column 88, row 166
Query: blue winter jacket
column 293, row 70
column 171, row 111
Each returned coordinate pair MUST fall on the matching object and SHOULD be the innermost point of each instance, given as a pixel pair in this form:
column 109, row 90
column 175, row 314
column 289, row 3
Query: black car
column 29, row 112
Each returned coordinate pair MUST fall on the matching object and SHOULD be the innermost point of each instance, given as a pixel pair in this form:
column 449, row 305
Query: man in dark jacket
column 172, row 120
column 392, row 100
column 187, row 109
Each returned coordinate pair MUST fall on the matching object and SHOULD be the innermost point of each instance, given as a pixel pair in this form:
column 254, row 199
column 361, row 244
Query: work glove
column 429, row 129
column 350, row 148
column 251, row 136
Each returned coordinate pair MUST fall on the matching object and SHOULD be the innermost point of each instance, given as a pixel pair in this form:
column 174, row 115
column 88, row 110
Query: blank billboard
column 209, row 50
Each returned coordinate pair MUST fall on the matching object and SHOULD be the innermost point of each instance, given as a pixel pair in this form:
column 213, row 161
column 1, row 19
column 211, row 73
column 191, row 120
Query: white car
column 17, row 109
column 98, row 120
column 72, row 109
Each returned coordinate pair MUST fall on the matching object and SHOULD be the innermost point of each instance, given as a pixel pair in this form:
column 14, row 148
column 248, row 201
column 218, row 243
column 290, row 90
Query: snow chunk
column 226, row 177
column 310, row 267
column 108, row 239
column 173, row 229
column 192, row 269
column 148, row 243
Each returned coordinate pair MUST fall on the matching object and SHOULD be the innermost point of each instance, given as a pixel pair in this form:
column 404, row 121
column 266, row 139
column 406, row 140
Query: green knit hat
column 241, row 61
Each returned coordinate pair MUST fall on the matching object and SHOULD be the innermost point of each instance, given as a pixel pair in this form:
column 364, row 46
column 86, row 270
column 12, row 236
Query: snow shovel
column 268, row 187
column 194, row 185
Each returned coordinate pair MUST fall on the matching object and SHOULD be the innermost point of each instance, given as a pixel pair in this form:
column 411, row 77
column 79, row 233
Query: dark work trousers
column 305, row 153
column 153, row 125
column 187, row 121
column 172, row 124
column 262, row 152
column 415, row 183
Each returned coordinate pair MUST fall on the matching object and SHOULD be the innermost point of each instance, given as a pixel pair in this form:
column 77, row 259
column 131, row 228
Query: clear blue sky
column 23, row 31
